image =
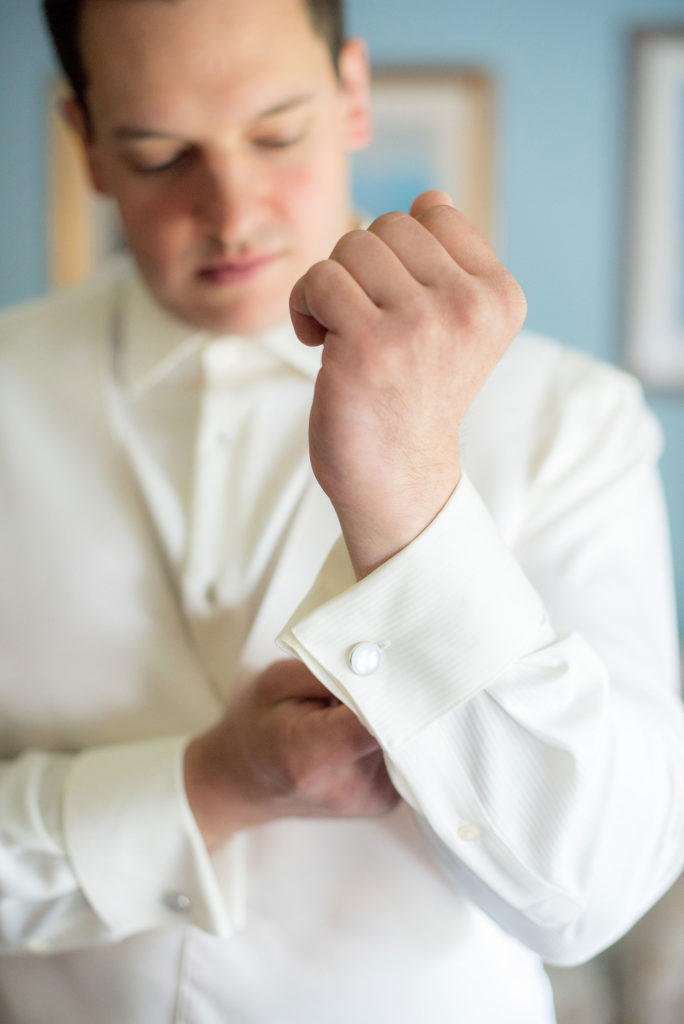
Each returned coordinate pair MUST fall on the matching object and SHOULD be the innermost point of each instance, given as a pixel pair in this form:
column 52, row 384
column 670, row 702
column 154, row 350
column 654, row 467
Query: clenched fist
column 284, row 748
column 413, row 315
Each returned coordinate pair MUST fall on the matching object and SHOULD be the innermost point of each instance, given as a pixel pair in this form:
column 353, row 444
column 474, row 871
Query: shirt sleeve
column 525, row 695
column 101, row 845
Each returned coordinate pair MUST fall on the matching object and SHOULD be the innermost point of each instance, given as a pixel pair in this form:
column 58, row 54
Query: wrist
column 373, row 536
column 218, row 806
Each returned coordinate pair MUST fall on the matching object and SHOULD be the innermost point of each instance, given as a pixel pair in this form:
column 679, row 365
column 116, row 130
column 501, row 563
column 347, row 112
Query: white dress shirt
column 160, row 530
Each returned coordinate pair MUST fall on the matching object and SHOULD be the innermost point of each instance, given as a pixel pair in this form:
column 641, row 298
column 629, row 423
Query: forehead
column 163, row 53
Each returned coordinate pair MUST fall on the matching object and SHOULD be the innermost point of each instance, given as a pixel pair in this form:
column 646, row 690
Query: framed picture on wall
column 82, row 228
column 433, row 128
column 655, row 272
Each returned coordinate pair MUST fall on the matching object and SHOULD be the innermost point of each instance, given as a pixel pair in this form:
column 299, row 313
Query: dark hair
column 63, row 21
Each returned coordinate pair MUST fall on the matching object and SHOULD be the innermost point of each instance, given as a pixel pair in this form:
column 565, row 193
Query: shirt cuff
column 444, row 618
column 134, row 844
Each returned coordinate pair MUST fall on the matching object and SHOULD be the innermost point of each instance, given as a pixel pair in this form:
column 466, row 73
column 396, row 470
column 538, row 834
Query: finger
column 290, row 679
column 434, row 237
column 375, row 263
column 464, row 243
column 426, row 200
column 323, row 300
column 343, row 736
column 419, row 251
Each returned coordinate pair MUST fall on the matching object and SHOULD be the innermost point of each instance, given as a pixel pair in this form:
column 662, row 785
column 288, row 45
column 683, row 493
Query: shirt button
column 177, row 902
column 468, row 833
column 365, row 658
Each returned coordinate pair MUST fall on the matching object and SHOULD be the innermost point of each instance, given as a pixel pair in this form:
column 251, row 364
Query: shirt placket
column 214, row 570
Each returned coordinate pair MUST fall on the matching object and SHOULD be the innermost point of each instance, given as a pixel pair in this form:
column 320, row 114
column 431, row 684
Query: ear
column 354, row 72
column 73, row 114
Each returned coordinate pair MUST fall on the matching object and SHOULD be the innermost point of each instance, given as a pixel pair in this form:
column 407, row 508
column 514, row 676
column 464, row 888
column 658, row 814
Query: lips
column 237, row 271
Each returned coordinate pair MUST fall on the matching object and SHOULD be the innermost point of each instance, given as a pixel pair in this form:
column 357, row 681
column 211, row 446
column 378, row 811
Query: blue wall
column 561, row 69
column 26, row 69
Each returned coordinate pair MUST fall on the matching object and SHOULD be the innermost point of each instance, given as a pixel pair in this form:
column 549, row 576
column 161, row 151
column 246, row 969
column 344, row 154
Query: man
column 467, row 752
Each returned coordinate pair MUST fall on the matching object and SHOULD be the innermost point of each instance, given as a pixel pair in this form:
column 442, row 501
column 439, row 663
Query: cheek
column 315, row 196
column 154, row 226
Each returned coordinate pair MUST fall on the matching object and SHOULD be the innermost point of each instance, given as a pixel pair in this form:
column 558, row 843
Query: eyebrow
column 130, row 134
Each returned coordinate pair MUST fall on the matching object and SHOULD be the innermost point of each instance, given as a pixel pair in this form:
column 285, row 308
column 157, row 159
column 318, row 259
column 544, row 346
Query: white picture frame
column 654, row 343
column 433, row 128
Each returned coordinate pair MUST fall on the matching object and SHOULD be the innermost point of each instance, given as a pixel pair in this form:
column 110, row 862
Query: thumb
column 426, row 200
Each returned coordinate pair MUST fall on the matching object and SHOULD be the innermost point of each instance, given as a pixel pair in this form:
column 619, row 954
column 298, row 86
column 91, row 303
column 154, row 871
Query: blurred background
column 543, row 102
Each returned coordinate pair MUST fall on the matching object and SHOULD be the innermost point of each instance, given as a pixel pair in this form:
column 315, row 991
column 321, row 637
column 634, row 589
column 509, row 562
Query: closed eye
column 278, row 141
column 170, row 162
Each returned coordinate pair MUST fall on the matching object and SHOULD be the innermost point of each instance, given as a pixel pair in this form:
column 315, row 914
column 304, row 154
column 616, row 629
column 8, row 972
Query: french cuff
column 134, row 844
column 428, row 629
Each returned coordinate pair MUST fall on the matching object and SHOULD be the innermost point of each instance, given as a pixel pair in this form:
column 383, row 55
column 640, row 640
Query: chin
column 244, row 321
column 229, row 318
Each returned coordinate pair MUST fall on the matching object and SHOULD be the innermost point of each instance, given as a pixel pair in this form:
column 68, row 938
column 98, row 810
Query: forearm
column 374, row 535
column 220, row 806
column 540, row 765
column 554, row 800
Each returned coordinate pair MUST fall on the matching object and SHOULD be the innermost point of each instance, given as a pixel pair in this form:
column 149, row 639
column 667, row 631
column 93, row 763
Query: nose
column 229, row 199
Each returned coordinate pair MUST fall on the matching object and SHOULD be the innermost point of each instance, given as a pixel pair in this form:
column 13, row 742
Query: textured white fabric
column 160, row 529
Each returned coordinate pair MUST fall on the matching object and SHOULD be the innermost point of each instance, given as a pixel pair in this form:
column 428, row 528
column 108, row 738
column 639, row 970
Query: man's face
column 223, row 133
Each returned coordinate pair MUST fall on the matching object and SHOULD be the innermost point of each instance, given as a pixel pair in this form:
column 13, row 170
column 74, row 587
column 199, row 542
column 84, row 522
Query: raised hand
column 413, row 315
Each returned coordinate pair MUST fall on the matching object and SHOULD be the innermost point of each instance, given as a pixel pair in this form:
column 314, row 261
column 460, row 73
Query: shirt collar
column 151, row 343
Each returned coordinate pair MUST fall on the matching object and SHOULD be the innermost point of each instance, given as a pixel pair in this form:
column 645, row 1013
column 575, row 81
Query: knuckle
column 318, row 277
column 347, row 245
column 441, row 215
column 434, row 214
column 473, row 310
column 305, row 770
column 482, row 307
column 515, row 300
column 387, row 220
column 296, row 772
